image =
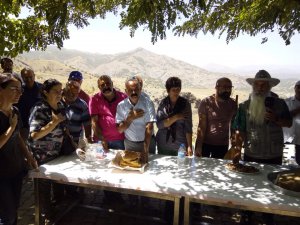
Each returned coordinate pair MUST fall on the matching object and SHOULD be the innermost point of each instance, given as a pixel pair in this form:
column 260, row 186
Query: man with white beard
column 259, row 123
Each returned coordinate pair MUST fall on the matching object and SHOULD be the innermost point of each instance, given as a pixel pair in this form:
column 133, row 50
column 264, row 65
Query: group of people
column 34, row 118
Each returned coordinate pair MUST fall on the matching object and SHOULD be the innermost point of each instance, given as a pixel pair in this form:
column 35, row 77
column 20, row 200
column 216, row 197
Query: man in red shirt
column 103, row 108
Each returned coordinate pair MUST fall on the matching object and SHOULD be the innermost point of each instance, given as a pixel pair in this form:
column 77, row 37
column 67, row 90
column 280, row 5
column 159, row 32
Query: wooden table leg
column 186, row 211
column 37, row 202
column 176, row 210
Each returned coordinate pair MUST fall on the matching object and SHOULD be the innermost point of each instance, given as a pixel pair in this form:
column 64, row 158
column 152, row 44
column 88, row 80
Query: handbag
column 68, row 145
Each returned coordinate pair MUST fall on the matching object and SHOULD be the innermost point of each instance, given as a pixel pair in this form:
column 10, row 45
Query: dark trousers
column 297, row 154
column 10, row 194
column 214, row 151
column 139, row 146
column 46, row 187
column 276, row 161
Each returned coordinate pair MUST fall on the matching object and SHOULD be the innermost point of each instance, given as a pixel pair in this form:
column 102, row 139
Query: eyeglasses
column 16, row 89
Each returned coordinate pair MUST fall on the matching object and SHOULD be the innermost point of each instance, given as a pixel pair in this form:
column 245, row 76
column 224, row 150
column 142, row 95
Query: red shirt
column 106, row 112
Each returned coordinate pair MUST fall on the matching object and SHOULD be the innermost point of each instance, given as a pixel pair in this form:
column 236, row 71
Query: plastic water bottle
column 100, row 153
column 181, row 156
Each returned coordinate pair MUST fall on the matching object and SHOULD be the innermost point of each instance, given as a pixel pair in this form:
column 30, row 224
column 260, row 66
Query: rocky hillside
column 154, row 68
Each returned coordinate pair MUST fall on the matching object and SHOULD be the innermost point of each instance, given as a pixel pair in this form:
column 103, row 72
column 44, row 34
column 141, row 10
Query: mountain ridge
column 138, row 61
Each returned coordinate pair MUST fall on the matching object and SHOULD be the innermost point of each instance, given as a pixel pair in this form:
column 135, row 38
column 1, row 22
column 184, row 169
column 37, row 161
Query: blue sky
column 105, row 37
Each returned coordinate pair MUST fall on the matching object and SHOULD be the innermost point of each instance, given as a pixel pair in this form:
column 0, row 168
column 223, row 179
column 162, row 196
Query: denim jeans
column 118, row 145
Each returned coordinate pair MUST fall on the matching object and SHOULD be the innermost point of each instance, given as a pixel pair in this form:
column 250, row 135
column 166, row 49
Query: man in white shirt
column 135, row 117
column 292, row 134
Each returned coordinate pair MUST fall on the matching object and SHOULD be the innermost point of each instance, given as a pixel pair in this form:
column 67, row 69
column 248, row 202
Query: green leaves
column 49, row 20
column 47, row 23
column 234, row 17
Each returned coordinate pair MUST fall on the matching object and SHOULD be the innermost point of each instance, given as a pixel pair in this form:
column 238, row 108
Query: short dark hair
column 4, row 60
column 48, row 85
column 222, row 79
column 173, row 82
column 26, row 69
column 102, row 77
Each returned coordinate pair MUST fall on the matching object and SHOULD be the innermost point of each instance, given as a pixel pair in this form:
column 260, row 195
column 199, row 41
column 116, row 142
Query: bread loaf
column 131, row 158
column 289, row 180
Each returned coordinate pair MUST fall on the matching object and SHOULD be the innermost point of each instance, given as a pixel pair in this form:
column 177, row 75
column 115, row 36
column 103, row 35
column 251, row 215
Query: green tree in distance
column 48, row 21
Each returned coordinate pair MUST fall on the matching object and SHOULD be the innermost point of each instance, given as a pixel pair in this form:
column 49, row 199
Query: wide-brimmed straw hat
column 263, row 75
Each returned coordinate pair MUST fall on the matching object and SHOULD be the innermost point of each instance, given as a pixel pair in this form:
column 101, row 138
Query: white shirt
column 292, row 134
column 136, row 130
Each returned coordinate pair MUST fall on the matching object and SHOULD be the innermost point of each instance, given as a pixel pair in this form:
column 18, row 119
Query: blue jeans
column 118, row 145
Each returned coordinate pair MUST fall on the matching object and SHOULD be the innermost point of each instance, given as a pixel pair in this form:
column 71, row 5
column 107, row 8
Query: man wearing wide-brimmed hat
column 259, row 121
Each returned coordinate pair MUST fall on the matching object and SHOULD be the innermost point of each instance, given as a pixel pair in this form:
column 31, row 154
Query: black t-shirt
column 11, row 157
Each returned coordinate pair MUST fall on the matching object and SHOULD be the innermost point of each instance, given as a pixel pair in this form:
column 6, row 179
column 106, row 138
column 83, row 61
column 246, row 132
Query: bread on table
column 289, row 180
column 131, row 159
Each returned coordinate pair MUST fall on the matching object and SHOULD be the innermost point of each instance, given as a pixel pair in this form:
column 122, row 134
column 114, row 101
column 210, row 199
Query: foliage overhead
column 245, row 16
column 48, row 21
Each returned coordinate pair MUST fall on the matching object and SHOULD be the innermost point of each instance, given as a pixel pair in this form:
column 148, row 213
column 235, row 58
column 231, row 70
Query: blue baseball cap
column 75, row 75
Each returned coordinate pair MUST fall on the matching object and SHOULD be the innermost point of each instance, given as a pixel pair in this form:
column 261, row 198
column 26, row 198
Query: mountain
column 278, row 71
column 152, row 67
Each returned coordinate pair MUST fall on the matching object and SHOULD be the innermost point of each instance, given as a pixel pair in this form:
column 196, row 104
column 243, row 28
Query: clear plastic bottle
column 100, row 153
column 181, row 156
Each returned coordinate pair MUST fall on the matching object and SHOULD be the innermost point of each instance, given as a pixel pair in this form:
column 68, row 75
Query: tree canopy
column 47, row 21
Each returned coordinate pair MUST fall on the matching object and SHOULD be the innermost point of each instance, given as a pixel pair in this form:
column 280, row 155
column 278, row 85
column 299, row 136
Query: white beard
column 257, row 109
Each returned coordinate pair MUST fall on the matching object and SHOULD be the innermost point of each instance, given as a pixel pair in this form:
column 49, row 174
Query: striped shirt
column 49, row 145
column 77, row 114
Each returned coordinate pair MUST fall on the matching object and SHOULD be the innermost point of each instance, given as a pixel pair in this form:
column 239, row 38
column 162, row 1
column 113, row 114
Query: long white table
column 160, row 179
column 203, row 180
column 207, row 181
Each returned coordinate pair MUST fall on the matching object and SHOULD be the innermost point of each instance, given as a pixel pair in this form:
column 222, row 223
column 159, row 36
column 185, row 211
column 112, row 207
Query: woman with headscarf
column 13, row 150
column 174, row 121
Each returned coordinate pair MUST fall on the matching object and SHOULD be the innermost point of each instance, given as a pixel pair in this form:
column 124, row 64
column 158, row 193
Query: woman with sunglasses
column 13, row 151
